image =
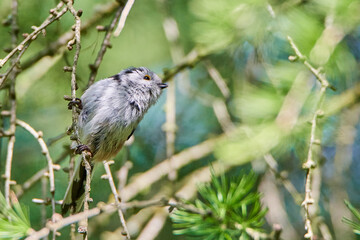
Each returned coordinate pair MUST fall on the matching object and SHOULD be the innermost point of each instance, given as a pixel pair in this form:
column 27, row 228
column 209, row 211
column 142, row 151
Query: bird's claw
column 76, row 102
column 81, row 148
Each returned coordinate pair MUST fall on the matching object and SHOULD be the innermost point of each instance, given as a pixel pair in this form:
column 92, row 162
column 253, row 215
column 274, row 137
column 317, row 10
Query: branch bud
column 79, row 13
column 67, row 69
column 101, row 28
column 293, row 58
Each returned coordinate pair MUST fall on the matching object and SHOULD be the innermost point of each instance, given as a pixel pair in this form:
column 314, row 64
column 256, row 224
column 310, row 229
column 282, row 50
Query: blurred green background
column 269, row 103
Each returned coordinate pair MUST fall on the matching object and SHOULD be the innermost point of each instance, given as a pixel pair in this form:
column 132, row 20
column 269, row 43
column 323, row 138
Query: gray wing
column 91, row 101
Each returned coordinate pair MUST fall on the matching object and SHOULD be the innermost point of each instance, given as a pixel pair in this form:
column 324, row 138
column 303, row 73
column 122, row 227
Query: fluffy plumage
column 111, row 110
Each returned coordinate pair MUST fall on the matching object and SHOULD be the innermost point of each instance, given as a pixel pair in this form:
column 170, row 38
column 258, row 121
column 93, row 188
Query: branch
column 310, row 163
column 105, row 44
column 12, row 99
column 271, row 162
column 116, row 195
column 122, row 174
column 181, row 159
column 28, row 184
column 4, row 76
column 100, row 209
column 85, row 156
column 218, row 79
column 316, row 71
column 54, row 47
column 172, row 34
column 32, row 36
column 7, row 176
column 154, row 226
column 192, row 59
column 123, row 17
column 45, row 151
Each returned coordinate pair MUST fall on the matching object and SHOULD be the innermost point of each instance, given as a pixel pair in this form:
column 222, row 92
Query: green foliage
column 224, row 23
column 234, row 210
column 354, row 225
column 14, row 221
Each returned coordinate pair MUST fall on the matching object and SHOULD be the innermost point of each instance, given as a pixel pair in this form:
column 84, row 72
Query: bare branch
column 38, row 175
column 192, row 59
column 85, row 157
column 154, row 225
column 177, row 53
column 310, row 163
column 12, row 99
column 218, row 79
column 123, row 17
column 122, row 174
column 4, row 76
column 105, row 44
column 116, row 196
column 282, row 176
column 45, row 151
column 317, row 72
column 102, row 208
column 181, row 159
column 54, row 47
column 7, row 176
column 55, row 15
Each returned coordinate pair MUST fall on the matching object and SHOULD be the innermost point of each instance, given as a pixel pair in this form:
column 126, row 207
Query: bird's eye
column 147, row 77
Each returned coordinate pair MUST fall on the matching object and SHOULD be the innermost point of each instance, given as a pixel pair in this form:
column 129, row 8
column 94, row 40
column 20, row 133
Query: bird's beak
column 162, row 85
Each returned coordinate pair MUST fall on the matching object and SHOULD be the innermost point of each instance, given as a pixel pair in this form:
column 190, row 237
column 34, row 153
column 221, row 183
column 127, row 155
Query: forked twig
column 55, row 15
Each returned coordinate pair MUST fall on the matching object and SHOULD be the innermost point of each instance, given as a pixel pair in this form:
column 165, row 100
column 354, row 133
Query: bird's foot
column 81, row 148
column 76, row 102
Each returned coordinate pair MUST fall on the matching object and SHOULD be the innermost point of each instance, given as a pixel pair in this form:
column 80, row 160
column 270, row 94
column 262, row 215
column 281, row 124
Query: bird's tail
column 75, row 193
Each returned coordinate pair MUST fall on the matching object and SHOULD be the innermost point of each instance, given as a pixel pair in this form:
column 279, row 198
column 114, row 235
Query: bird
column 111, row 109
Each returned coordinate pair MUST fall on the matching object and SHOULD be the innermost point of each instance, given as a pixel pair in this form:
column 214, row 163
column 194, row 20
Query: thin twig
column 44, row 189
column 85, row 157
column 71, row 173
column 55, row 139
column 22, row 47
column 122, row 175
column 105, row 208
column 45, row 151
column 218, row 104
column 154, row 226
column 4, row 76
column 28, row 184
column 12, row 99
column 100, row 13
column 218, row 79
column 316, row 71
column 37, row 30
column 105, row 44
column 172, row 34
column 191, row 60
column 273, row 165
column 146, row 179
column 123, row 17
column 116, row 196
column 45, row 201
column 7, row 176
column 84, row 224
column 310, row 163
